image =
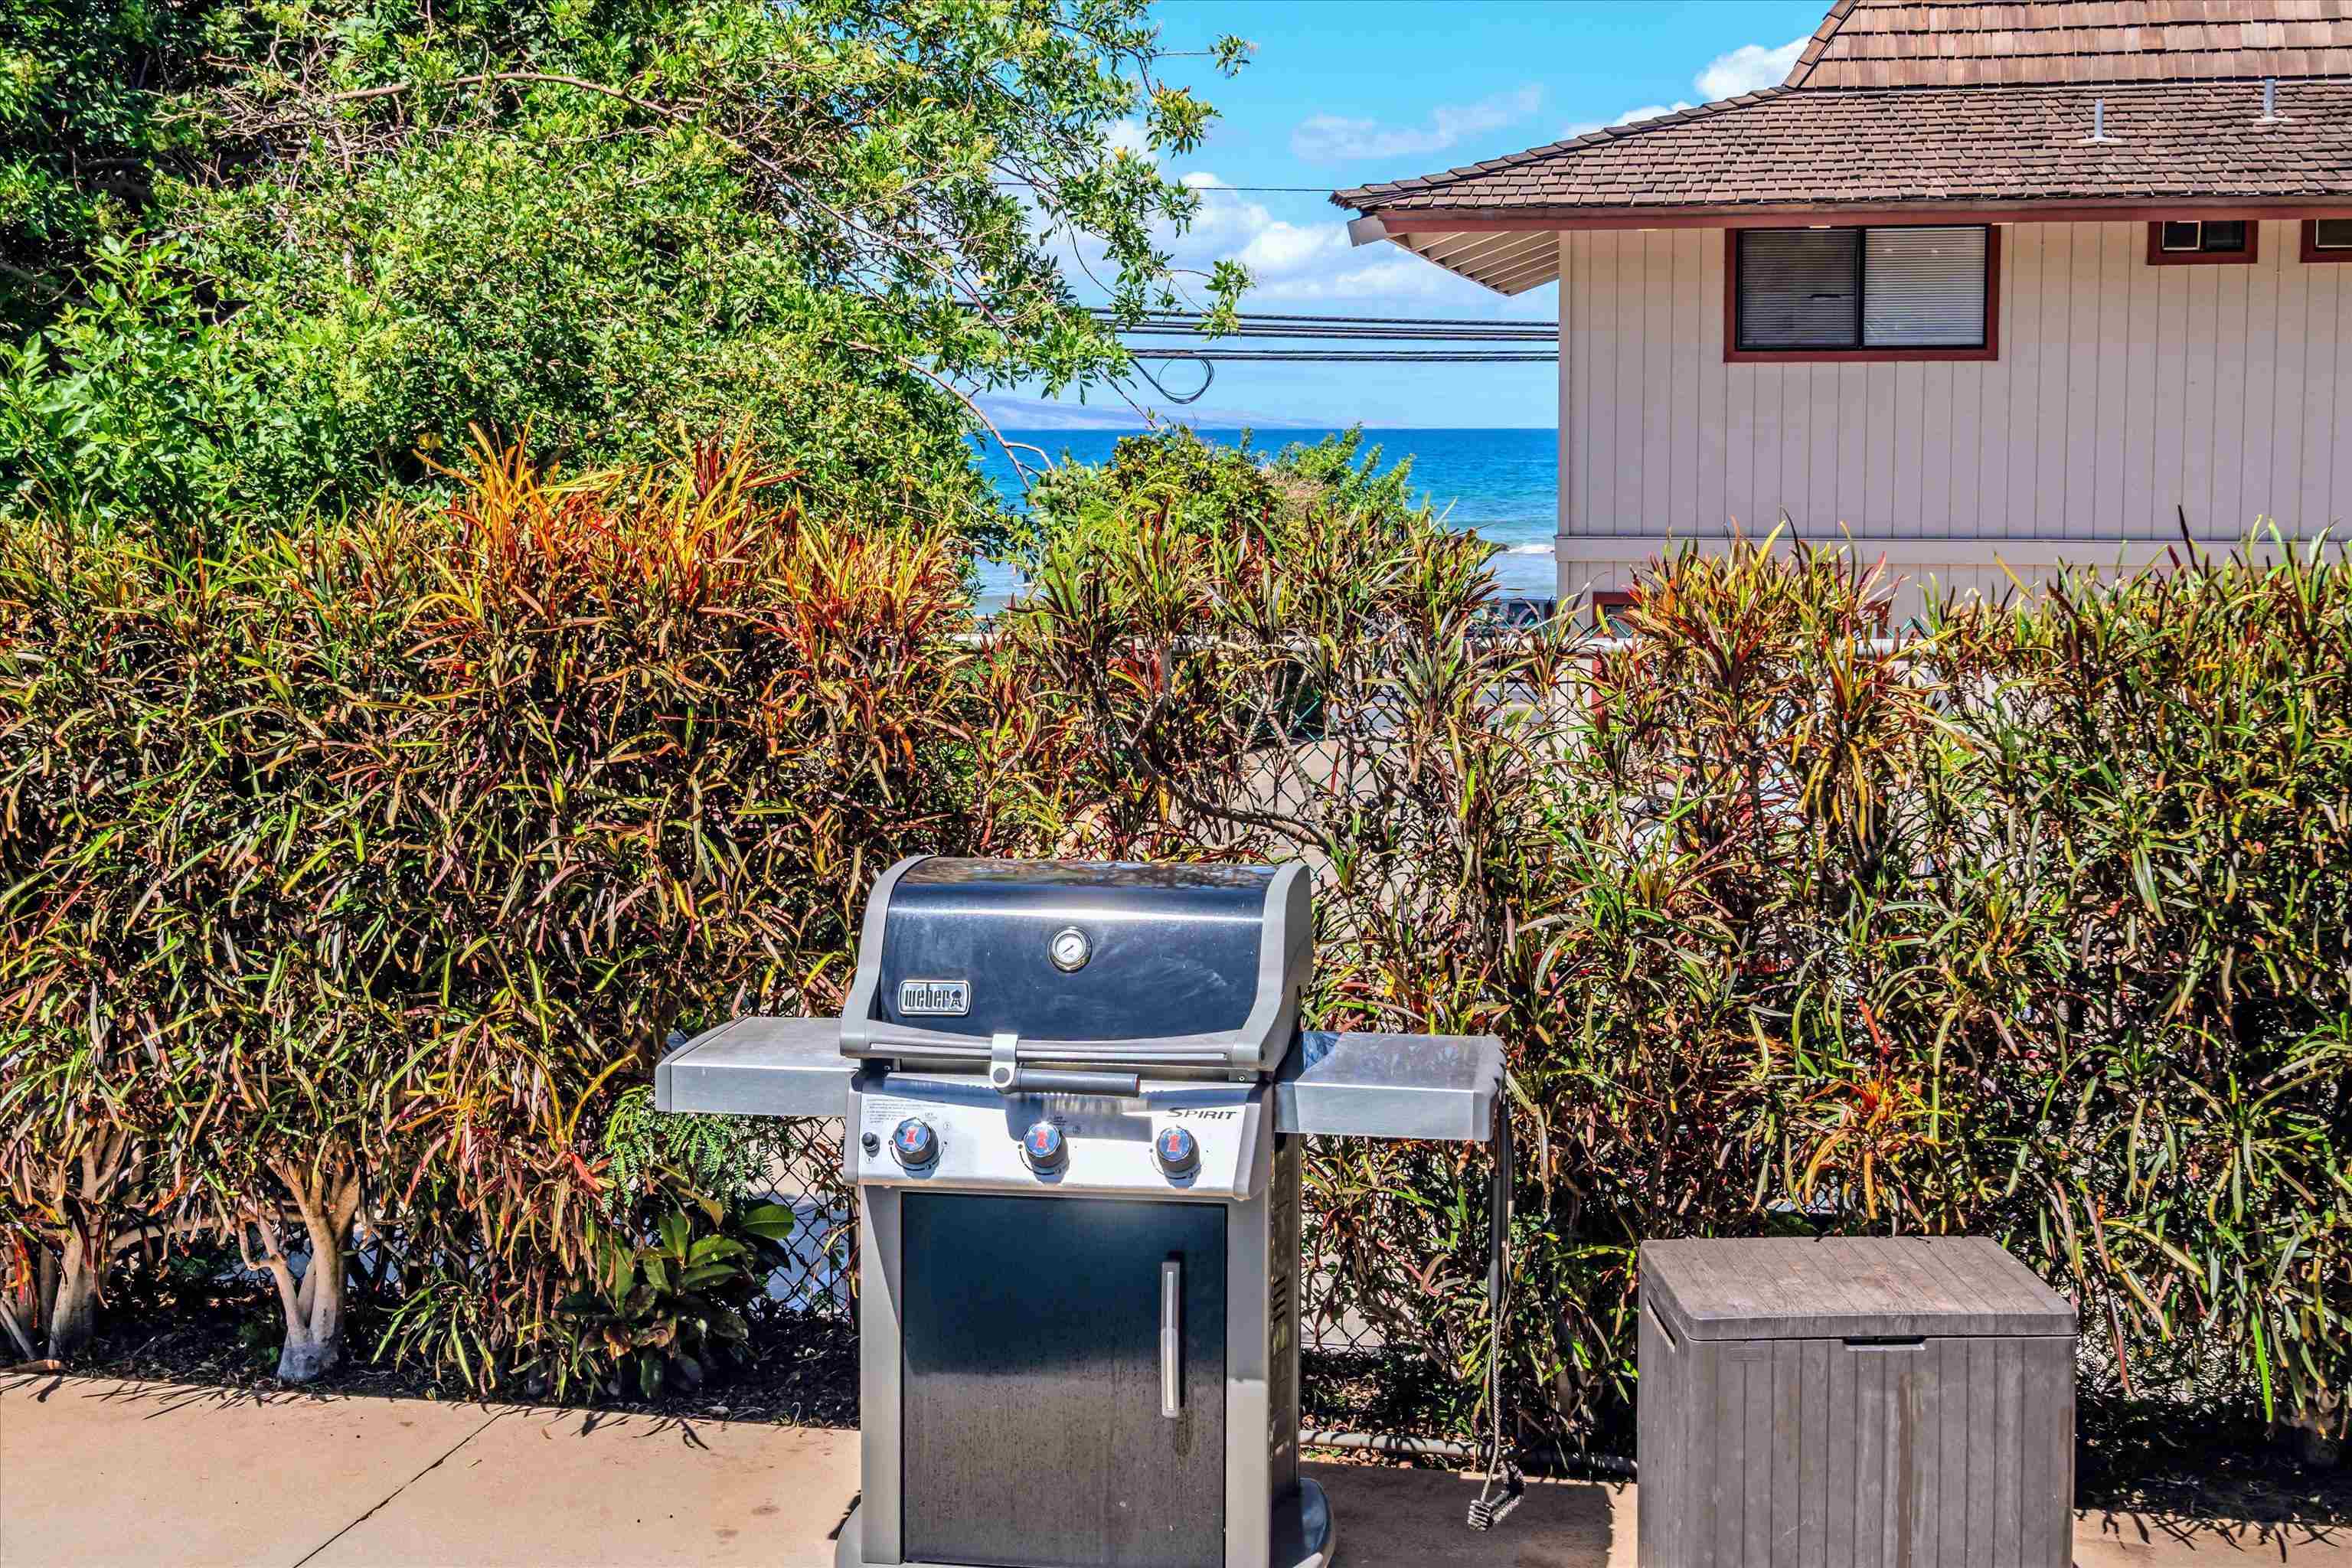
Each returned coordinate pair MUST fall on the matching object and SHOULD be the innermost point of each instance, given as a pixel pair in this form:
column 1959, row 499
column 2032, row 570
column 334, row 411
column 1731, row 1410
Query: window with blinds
column 1815, row 288
column 1800, row 288
column 1923, row 289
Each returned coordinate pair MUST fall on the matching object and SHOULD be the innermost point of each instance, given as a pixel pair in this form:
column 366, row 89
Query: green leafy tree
column 919, row 156
column 605, row 223
column 132, row 407
column 91, row 95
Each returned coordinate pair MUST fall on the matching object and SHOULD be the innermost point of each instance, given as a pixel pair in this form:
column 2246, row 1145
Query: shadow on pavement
column 1392, row 1518
column 2271, row 1540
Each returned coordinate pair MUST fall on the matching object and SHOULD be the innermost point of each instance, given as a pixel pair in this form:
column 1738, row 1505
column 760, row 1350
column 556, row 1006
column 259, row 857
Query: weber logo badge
column 937, row 999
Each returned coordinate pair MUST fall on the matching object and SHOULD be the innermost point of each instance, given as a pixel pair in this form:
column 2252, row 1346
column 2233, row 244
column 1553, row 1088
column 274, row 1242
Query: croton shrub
column 354, row 877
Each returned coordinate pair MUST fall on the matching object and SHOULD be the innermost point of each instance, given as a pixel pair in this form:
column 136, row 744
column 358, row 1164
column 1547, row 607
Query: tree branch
column 126, row 1240
column 765, row 163
column 273, row 1259
column 487, row 78
column 972, row 408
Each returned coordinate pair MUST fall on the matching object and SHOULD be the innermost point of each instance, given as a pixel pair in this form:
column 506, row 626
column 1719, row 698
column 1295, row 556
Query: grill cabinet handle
column 1172, row 1338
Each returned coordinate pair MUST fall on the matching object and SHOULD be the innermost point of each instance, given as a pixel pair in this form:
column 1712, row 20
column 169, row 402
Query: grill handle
column 1172, row 1338
column 1007, row 1074
column 1053, row 1080
column 928, row 1046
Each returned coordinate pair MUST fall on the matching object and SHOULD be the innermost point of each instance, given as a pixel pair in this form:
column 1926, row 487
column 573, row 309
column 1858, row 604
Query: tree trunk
column 25, row 1318
column 45, row 1292
column 73, row 1313
column 313, row 1306
column 314, row 1334
column 89, row 1187
column 307, row 1356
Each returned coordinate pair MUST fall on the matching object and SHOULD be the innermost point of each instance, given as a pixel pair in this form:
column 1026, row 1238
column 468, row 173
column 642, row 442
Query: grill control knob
column 914, row 1144
column 1043, row 1148
column 1177, row 1152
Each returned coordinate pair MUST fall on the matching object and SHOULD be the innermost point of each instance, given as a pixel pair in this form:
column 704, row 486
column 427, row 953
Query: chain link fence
column 1272, row 751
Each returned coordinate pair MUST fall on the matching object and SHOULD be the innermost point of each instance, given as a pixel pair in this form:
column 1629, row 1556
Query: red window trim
column 2311, row 250
column 2159, row 256
column 1604, row 600
column 1734, row 354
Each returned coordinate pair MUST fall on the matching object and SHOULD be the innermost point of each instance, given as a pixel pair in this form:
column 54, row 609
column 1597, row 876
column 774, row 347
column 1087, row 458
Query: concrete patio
column 105, row 1473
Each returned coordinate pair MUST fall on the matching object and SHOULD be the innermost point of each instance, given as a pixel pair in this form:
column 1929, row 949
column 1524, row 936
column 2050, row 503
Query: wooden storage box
column 1870, row 1403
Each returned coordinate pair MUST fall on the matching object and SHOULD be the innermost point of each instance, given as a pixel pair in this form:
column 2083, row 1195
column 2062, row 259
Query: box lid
column 1848, row 1287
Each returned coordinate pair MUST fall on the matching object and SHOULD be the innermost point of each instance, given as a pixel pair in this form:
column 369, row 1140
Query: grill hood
column 1184, row 970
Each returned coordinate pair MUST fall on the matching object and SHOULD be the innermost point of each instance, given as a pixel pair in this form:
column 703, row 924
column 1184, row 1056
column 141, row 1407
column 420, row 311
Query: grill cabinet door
column 1031, row 1419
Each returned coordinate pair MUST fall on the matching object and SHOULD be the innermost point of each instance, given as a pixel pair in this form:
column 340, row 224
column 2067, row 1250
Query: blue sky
column 1339, row 92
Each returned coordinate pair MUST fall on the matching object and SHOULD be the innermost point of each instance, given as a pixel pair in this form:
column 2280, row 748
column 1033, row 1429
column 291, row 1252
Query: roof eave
column 1369, row 199
column 1974, row 208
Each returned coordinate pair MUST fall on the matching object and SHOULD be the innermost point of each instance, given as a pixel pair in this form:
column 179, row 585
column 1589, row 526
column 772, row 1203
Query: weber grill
column 1073, row 1094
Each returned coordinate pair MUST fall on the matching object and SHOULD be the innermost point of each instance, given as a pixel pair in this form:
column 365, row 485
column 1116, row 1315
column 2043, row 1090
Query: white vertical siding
column 2123, row 391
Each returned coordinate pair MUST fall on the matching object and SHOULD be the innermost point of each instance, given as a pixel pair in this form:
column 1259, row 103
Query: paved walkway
column 100, row 1472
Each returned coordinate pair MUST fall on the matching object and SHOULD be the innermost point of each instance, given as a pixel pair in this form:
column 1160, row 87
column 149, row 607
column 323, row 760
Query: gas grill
column 1073, row 1094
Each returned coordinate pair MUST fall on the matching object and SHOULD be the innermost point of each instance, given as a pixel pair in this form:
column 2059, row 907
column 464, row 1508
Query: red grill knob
column 1043, row 1148
column 915, row 1144
column 1177, row 1152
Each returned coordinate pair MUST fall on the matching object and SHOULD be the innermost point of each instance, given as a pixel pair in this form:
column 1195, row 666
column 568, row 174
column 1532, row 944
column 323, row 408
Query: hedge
column 356, row 877
column 2040, row 927
column 352, row 874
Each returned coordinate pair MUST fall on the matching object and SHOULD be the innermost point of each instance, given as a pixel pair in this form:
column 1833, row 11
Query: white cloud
column 1647, row 111
column 1748, row 68
column 1400, row 279
column 1128, row 136
column 1294, row 262
column 1328, row 137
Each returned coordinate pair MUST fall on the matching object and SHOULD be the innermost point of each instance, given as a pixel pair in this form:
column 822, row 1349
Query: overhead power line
column 1331, row 329
column 1348, row 334
column 1343, row 329
column 1355, row 356
column 1344, row 320
column 1236, row 190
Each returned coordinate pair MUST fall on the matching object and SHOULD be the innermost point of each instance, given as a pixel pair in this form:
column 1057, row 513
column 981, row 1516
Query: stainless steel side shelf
column 1353, row 1085
column 758, row 1067
column 1391, row 1086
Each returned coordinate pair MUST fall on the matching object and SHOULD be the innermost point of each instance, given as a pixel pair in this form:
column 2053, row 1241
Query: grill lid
column 1153, row 967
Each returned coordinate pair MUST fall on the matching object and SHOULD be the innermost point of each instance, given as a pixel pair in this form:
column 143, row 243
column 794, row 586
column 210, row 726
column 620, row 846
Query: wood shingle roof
column 2197, row 140
column 1966, row 43
column 1963, row 104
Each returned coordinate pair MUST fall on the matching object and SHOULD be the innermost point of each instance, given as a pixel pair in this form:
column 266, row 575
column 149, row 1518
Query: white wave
column 1526, row 550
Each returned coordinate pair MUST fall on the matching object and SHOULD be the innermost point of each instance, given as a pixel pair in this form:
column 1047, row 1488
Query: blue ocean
column 1503, row 485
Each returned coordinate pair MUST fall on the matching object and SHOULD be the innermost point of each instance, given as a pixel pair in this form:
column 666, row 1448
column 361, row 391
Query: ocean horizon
column 1501, row 484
